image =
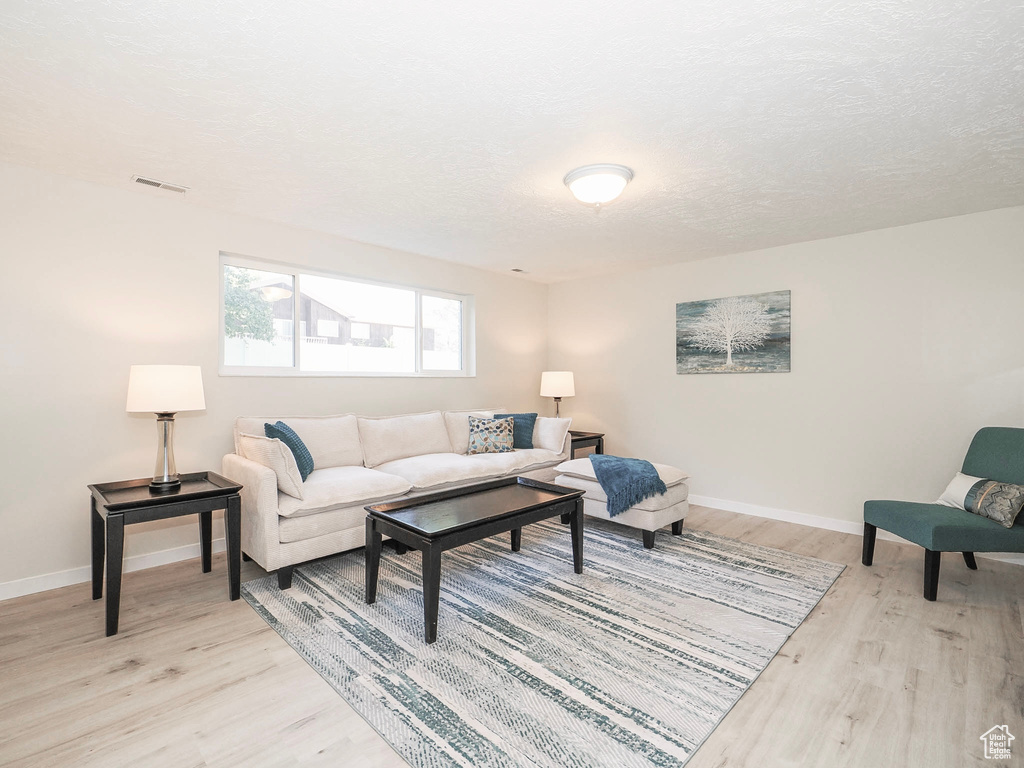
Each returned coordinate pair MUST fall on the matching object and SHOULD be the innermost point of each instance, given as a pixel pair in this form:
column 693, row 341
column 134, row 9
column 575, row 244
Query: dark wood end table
column 586, row 440
column 449, row 519
column 130, row 501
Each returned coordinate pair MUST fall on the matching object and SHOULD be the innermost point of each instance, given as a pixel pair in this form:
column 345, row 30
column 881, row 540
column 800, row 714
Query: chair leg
column 931, row 573
column 648, row 539
column 971, row 562
column 677, row 528
column 868, row 553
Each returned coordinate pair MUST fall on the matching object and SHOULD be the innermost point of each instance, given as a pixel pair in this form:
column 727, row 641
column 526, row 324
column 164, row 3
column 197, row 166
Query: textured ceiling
column 445, row 128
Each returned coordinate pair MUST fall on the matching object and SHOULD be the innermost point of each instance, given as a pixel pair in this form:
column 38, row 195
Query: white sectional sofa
column 359, row 461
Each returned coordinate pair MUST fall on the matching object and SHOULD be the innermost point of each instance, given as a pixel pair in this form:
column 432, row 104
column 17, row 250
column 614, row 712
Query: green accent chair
column 996, row 453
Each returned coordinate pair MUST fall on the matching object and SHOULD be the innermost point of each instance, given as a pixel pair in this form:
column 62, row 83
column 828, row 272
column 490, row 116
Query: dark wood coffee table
column 449, row 519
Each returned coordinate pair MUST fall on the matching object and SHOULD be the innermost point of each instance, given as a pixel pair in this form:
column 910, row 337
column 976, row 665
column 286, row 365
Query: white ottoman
column 649, row 515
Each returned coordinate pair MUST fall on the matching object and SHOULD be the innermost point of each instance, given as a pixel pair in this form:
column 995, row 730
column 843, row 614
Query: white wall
column 905, row 341
column 96, row 279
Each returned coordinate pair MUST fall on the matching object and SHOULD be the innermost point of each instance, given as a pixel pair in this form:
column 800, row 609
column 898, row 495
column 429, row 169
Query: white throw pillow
column 272, row 453
column 397, row 437
column 549, row 433
column 957, row 490
column 582, row 468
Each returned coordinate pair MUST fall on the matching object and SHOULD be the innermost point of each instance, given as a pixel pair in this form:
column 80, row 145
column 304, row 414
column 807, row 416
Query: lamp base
column 165, row 474
column 164, row 486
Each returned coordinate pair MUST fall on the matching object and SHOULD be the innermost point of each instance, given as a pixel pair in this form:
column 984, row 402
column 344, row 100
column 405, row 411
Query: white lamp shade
column 557, row 384
column 165, row 389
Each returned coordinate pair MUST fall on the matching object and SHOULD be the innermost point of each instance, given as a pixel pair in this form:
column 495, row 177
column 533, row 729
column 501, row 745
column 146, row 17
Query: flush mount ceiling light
column 598, row 184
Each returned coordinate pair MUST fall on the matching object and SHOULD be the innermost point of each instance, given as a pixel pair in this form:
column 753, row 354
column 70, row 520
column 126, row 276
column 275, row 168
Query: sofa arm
column 260, row 536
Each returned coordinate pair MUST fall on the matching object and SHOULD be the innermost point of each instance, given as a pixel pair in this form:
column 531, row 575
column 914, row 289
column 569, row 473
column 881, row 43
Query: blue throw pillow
column 522, row 428
column 284, row 433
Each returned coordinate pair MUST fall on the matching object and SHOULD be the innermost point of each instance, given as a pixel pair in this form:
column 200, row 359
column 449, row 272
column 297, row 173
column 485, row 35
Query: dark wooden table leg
column 205, row 532
column 233, row 533
column 517, row 539
column 431, row 590
column 115, row 553
column 576, row 529
column 599, row 449
column 98, row 550
column 373, row 543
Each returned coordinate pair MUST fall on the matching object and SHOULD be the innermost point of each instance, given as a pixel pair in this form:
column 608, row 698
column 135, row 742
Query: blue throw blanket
column 626, row 481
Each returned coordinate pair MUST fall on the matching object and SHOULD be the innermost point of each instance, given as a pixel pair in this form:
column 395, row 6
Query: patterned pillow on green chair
column 1000, row 502
column 490, row 435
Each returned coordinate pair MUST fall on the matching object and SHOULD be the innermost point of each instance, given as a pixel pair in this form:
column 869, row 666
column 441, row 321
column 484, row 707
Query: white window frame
column 296, row 271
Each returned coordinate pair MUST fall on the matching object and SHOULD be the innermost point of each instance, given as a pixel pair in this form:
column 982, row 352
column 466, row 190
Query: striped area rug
column 632, row 663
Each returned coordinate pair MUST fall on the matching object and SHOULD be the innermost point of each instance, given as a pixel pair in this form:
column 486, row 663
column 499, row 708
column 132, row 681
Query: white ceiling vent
column 160, row 184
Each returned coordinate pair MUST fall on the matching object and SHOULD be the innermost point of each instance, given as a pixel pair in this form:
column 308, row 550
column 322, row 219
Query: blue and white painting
column 736, row 334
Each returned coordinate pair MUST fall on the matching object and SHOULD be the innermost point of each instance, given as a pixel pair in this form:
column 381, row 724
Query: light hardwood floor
column 876, row 676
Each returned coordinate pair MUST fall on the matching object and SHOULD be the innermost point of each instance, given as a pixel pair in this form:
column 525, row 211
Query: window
column 330, row 328
column 345, row 326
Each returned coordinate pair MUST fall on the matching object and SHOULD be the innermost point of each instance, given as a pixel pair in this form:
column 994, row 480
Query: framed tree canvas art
column 736, row 334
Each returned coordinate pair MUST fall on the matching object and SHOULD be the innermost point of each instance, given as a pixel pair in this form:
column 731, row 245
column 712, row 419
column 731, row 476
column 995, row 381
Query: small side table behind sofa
column 582, row 440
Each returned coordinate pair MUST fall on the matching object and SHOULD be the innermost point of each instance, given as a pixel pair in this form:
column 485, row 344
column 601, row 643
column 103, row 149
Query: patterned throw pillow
column 1000, row 502
column 287, row 435
column 490, row 435
column 522, row 428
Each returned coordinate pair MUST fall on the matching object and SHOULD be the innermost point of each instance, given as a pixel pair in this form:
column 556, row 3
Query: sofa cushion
column 515, row 462
column 333, row 441
column 522, row 428
column 271, row 452
column 675, row 494
column 301, row 528
column 457, row 424
column 490, row 435
column 336, row 487
column 549, row 434
column 397, row 437
column 584, row 469
column 440, row 469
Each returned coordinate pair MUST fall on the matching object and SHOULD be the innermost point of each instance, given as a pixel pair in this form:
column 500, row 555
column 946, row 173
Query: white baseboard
column 48, row 581
column 828, row 523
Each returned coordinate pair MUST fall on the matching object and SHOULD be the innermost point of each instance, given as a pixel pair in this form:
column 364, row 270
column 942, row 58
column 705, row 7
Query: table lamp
column 557, row 384
column 165, row 390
